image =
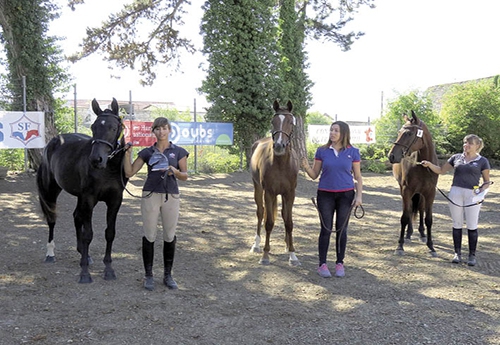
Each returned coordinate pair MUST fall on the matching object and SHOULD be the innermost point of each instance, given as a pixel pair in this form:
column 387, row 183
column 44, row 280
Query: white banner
column 19, row 130
column 319, row 134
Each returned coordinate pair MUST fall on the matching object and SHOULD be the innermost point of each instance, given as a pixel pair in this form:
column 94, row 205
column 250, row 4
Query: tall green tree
column 31, row 53
column 294, row 83
column 241, row 83
column 473, row 107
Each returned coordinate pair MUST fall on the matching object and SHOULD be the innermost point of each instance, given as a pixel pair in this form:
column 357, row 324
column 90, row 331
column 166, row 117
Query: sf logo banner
column 22, row 130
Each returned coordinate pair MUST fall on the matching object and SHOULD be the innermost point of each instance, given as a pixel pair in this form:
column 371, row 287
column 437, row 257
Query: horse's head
column 283, row 124
column 410, row 139
column 107, row 133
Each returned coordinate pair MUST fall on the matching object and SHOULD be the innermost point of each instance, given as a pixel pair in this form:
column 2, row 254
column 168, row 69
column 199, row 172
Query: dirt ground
column 225, row 295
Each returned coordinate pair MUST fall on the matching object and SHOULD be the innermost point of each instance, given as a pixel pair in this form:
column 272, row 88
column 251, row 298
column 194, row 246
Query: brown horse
column 274, row 167
column 417, row 184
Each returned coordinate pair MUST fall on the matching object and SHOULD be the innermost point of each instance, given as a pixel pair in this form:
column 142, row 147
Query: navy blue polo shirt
column 159, row 181
column 467, row 174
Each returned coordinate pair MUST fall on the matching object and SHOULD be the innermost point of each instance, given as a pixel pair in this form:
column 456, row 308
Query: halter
column 419, row 134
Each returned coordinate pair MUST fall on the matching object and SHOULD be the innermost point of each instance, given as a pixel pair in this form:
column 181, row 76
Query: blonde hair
column 474, row 139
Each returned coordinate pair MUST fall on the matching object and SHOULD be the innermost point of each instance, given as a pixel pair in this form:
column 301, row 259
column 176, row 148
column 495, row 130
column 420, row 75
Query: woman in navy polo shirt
column 340, row 188
column 469, row 167
column 167, row 163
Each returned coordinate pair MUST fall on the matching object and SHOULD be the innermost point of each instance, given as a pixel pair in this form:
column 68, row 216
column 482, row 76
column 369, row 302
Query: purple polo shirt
column 336, row 174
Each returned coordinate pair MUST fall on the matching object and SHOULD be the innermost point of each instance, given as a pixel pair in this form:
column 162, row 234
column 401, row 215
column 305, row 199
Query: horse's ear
column 276, row 105
column 114, row 106
column 414, row 117
column 95, row 107
column 289, row 106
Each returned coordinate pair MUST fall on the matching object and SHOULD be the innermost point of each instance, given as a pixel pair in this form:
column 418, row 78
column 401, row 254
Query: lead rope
column 330, row 230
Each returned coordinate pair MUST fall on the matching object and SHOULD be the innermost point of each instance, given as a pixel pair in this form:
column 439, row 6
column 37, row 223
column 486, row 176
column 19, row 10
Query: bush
column 215, row 160
column 13, row 159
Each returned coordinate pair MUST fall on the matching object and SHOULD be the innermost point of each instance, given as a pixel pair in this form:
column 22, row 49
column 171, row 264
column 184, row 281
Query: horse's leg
column 409, row 231
column 405, row 220
column 112, row 211
column 259, row 201
column 84, row 234
column 270, row 215
column 286, row 213
column 428, row 224
column 421, row 228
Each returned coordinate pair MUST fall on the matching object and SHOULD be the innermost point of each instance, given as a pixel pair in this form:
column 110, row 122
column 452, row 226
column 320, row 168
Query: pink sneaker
column 323, row 271
column 339, row 270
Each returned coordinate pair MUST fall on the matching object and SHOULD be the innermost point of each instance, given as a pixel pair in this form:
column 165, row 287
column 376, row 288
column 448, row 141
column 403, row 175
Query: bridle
column 115, row 148
column 289, row 135
column 418, row 135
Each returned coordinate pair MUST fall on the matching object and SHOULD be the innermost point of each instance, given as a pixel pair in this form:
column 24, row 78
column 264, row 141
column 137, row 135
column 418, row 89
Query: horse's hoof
column 89, row 260
column 109, row 275
column 50, row 259
column 255, row 250
column 265, row 262
column 434, row 254
column 294, row 263
column 85, row 279
column 408, row 240
column 423, row 239
column 399, row 252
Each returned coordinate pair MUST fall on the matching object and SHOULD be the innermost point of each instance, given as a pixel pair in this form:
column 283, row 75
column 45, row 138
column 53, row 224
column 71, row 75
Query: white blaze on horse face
column 280, row 138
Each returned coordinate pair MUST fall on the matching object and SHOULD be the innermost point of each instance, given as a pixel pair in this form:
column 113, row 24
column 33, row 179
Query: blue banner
column 202, row 133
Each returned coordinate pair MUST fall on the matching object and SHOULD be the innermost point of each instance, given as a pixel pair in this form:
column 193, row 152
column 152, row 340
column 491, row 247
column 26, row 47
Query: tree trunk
column 299, row 138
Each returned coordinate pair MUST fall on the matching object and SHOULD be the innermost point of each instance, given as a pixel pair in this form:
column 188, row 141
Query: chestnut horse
column 91, row 169
column 274, row 167
column 417, row 184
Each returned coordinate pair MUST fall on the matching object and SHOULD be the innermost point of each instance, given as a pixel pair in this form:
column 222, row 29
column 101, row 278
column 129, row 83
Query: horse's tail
column 44, row 180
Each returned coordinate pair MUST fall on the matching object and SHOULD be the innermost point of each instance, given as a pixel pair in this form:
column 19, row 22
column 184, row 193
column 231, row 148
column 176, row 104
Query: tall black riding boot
column 457, row 244
column 168, row 260
column 472, row 247
column 148, row 250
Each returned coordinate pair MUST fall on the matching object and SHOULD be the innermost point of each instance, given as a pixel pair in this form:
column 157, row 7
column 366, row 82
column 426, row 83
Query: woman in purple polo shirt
column 340, row 188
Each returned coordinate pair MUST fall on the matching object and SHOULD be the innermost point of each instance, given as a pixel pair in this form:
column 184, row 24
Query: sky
column 408, row 45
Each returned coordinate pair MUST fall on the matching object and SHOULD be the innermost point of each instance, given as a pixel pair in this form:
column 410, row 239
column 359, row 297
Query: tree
column 142, row 35
column 473, row 108
column 316, row 118
column 31, row 53
column 294, row 82
column 239, row 42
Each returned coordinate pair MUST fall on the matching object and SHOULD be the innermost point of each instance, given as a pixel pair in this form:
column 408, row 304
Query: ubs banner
column 20, row 130
column 319, row 134
column 183, row 133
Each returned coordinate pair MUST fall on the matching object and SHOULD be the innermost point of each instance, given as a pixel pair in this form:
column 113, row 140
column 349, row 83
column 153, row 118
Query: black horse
column 91, row 169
